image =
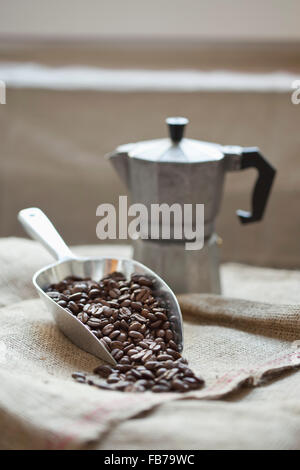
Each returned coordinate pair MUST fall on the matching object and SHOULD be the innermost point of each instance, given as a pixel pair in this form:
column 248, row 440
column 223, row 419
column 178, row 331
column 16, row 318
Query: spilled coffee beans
column 135, row 326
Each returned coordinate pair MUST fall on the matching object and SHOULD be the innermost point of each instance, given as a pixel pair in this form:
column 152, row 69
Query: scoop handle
column 39, row 227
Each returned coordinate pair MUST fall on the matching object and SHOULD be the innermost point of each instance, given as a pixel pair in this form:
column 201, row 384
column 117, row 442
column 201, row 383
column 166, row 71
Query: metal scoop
column 39, row 227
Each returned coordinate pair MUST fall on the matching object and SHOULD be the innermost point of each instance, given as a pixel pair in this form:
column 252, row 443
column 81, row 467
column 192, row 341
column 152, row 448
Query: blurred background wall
column 207, row 19
column 54, row 136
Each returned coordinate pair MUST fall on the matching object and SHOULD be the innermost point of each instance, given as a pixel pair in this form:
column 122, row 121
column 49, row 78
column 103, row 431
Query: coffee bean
column 147, row 374
column 132, row 352
column 122, row 337
column 73, row 307
column 137, row 356
column 117, row 345
column 152, row 365
column 123, row 367
column 136, row 335
column 123, row 297
column 75, row 296
column 159, row 389
column 169, row 335
column 160, row 316
column 136, row 373
column 164, row 357
column 139, row 318
column 142, row 295
column 160, row 371
column 112, row 379
column 78, row 376
column 179, row 385
column 137, row 305
column 114, row 293
column 124, row 324
column 83, row 317
column 173, row 353
column 117, row 354
column 152, row 317
column 135, row 326
column 108, row 329
column 104, row 370
column 107, row 311
column 94, row 293
column 160, row 333
column 94, row 322
column 147, row 356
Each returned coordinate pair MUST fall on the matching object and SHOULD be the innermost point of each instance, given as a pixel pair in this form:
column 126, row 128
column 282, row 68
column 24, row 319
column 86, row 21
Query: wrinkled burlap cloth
column 244, row 349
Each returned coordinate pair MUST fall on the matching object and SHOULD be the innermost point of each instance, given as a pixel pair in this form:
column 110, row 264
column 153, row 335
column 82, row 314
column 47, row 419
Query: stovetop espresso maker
column 182, row 171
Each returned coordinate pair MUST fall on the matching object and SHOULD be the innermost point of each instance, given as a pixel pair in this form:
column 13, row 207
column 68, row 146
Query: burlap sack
column 230, row 342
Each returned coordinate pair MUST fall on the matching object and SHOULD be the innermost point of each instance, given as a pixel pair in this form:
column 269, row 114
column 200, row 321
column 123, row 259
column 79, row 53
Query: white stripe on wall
column 31, row 75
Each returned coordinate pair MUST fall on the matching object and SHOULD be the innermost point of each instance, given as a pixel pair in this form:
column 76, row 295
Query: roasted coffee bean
column 136, row 306
column 132, row 352
column 104, row 370
column 94, row 293
column 155, row 324
column 168, row 364
column 159, row 389
column 124, row 324
column 142, row 295
column 139, row 318
column 173, row 345
column 124, row 360
column 135, row 326
column 160, row 315
column 94, row 322
column 123, row 367
column 73, row 307
column 107, row 311
column 114, row 334
column 160, row 371
column 136, row 373
column 79, row 375
column 107, row 340
column 122, row 336
column 147, row 374
column 173, row 353
column 147, row 356
column 117, row 345
column 108, row 329
column 152, row 317
column 114, row 293
column 169, row 335
column 113, row 378
column 160, row 333
column 152, row 365
column 179, row 385
column 136, row 335
column 117, row 354
column 164, row 357
column 75, row 296
column 137, row 356
column 83, row 317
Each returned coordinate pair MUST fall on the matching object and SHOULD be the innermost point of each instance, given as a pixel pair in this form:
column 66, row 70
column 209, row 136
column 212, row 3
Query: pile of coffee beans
column 134, row 326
